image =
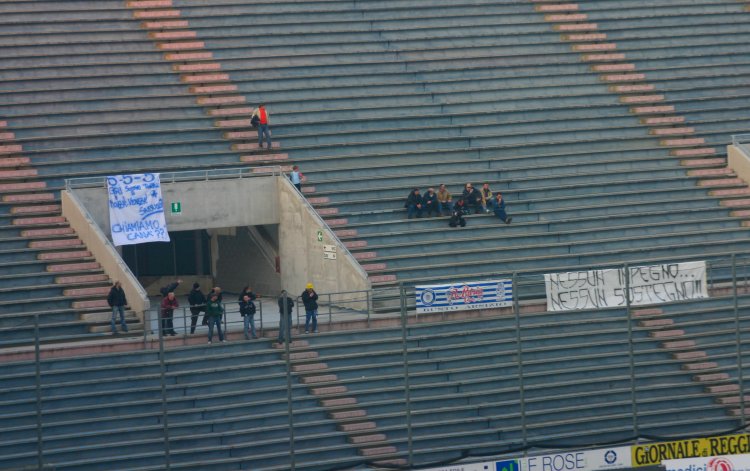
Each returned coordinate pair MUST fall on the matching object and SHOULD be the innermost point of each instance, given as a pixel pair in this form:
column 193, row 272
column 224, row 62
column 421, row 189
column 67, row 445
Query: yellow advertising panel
column 654, row 453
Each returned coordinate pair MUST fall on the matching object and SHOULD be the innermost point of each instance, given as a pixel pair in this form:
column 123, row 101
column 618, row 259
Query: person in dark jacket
column 170, row 288
column 217, row 291
column 247, row 290
column 500, row 209
column 247, row 311
column 197, row 304
column 117, row 301
column 310, row 300
column 214, row 310
column 473, row 198
column 168, row 305
column 457, row 215
column 414, row 204
column 431, row 204
column 285, row 317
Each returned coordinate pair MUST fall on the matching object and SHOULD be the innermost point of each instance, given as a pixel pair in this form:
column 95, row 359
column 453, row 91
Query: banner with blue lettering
column 136, row 209
column 464, row 296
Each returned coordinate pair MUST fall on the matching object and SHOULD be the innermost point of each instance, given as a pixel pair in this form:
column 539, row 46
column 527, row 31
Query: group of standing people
column 472, row 199
column 212, row 306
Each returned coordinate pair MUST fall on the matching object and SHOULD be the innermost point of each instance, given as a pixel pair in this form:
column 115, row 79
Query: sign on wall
column 601, row 459
column 606, row 288
column 584, row 460
column 464, row 296
column 650, row 454
column 136, row 209
column 710, row 463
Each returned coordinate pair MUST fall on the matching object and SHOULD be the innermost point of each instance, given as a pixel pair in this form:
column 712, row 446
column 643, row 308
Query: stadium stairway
column 48, row 274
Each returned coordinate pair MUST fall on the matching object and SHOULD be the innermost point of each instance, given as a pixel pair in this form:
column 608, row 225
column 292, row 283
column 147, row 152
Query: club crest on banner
column 464, row 296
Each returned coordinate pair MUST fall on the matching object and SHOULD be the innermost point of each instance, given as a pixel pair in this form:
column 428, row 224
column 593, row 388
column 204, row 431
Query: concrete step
column 309, row 367
column 378, row 451
column 339, row 402
column 357, row 427
column 348, row 414
column 87, row 292
column 328, row 390
column 318, row 379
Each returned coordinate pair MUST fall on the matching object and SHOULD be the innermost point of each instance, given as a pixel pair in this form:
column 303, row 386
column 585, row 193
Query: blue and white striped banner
column 464, row 296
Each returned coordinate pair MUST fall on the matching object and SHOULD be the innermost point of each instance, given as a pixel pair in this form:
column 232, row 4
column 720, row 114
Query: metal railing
column 185, row 175
column 331, row 233
column 522, row 378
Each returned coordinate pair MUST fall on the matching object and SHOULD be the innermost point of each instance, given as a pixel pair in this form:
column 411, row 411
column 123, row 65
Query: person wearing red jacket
column 261, row 116
column 168, row 305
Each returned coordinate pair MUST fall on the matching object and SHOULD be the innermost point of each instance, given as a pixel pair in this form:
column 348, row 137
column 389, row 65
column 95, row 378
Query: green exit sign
column 176, row 207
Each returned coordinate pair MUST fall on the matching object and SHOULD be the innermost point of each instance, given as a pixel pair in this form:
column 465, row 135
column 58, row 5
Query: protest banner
column 136, row 209
column 606, row 288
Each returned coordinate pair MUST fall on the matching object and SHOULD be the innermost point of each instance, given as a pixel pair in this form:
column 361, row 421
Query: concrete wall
column 104, row 252
column 205, row 204
column 301, row 253
column 738, row 161
column 240, row 262
column 223, row 205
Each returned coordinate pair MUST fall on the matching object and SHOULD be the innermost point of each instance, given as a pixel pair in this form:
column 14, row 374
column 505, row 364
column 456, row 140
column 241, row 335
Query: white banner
column 606, row 288
column 601, row 459
column 585, row 460
column 136, row 209
column 710, row 463
column 464, row 296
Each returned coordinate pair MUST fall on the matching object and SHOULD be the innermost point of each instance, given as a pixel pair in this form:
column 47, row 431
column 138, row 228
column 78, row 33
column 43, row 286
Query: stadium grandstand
column 614, row 129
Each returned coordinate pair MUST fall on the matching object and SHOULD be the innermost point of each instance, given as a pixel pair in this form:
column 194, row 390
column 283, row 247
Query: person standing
column 296, row 177
column 168, row 305
column 117, row 301
column 197, row 304
column 500, row 209
column 285, row 317
column 214, row 311
column 310, row 300
column 247, row 290
column 247, row 311
column 170, row 288
column 215, row 290
column 263, row 122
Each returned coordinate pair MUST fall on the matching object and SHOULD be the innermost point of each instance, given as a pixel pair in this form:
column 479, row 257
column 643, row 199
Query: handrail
column 328, row 229
column 738, row 139
column 185, row 175
column 99, row 234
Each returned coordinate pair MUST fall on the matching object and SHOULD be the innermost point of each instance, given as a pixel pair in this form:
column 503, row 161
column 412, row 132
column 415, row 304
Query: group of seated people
column 479, row 201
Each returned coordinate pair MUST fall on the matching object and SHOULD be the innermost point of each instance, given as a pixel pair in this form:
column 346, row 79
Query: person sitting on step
column 499, row 203
column 414, row 204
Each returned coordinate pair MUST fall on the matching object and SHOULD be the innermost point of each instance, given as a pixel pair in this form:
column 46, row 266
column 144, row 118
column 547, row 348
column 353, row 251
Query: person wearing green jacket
column 213, row 314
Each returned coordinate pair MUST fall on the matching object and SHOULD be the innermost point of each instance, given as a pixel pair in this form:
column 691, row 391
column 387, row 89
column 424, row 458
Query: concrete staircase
column 351, row 418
